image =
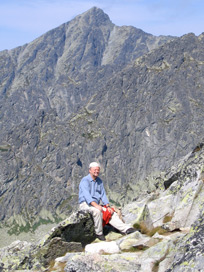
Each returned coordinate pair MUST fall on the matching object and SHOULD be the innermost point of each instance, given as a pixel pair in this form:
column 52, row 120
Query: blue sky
column 21, row 21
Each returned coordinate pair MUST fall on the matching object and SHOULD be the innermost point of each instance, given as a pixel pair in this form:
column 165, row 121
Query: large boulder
column 178, row 205
column 78, row 227
column 189, row 252
column 71, row 235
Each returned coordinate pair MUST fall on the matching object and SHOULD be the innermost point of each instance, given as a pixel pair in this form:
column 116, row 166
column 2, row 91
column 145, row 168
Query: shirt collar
column 90, row 178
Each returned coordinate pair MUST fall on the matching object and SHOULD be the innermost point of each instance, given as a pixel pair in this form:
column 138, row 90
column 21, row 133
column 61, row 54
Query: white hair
column 94, row 164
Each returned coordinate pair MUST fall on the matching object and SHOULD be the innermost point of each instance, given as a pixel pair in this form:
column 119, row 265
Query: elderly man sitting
column 91, row 194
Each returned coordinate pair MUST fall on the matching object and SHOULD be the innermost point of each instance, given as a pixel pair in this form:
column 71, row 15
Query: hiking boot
column 130, row 230
column 101, row 237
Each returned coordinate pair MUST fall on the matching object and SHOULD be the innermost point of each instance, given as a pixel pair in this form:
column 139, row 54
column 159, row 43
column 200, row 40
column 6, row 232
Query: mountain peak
column 95, row 15
column 95, row 11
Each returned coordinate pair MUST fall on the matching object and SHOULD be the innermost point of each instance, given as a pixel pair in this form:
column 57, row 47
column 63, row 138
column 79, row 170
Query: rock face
column 166, row 241
column 44, row 151
column 90, row 90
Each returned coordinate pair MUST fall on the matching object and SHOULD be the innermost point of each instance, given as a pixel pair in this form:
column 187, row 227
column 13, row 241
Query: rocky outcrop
column 189, row 252
column 71, row 235
column 169, row 237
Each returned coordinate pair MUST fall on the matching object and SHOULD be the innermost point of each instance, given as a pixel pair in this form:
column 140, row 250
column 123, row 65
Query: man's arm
column 100, row 208
column 97, row 206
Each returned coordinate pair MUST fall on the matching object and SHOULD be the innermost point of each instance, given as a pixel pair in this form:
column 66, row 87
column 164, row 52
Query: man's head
column 94, row 169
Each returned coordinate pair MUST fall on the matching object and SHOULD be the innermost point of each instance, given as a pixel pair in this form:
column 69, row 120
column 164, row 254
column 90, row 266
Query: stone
column 57, row 247
column 15, row 256
column 167, row 204
column 97, row 262
column 102, row 248
column 127, row 243
column 189, row 250
column 78, row 227
column 187, row 210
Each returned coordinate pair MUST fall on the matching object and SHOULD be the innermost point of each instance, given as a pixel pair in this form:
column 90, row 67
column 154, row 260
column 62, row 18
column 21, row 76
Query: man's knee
column 96, row 212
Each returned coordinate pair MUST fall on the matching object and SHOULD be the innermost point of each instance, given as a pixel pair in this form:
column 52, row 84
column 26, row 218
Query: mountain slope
column 62, row 68
column 147, row 117
column 90, row 90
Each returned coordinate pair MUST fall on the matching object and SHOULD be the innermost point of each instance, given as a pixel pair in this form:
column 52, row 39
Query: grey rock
column 78, row 227
column 95, row 262
column 71, row 235
column 103, row 248
column 190, row 251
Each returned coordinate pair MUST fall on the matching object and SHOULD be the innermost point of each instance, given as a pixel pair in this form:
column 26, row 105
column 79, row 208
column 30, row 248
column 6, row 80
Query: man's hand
column 110, row 210
column 99, row 207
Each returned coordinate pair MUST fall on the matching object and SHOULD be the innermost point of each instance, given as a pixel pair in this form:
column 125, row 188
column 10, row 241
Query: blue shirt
column 90, row 190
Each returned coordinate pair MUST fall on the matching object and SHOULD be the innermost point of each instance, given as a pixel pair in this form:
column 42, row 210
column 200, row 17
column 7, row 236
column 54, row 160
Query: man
column 91, row 194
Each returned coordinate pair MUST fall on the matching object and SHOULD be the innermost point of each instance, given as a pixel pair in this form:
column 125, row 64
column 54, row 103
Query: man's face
column 94, row 171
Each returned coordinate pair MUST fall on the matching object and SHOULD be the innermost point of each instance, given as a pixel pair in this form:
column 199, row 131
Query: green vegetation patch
column 4, row 148
column 17, row 229
column 167, row 218
column 141, row 226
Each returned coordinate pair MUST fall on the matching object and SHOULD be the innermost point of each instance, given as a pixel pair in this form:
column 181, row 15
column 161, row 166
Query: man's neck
column 93, row 177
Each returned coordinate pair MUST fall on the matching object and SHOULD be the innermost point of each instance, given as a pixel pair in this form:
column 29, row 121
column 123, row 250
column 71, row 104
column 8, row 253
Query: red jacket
column 106, row 215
